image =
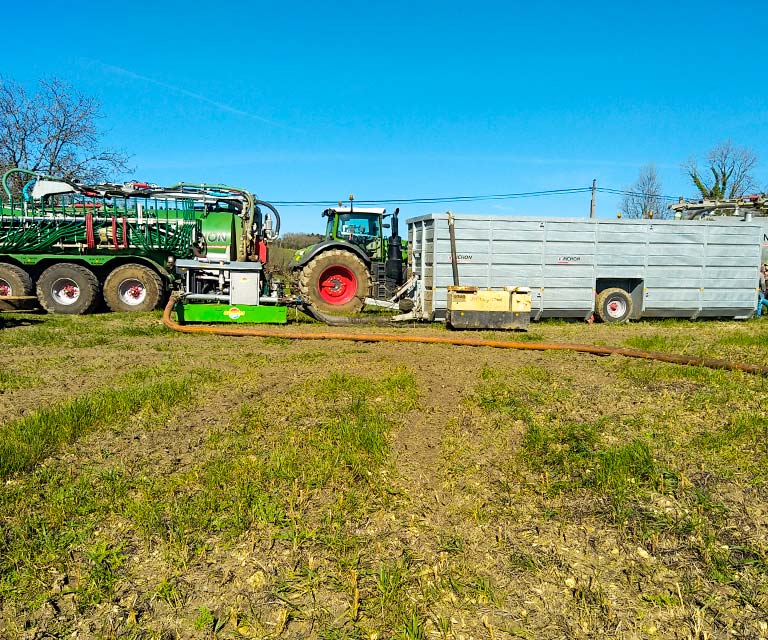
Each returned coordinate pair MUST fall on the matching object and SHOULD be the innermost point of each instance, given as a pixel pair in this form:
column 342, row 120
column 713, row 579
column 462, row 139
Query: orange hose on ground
column 695, row 361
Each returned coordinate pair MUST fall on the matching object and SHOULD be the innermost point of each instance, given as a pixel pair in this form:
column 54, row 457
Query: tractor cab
column 361, row 227
column 354, row 264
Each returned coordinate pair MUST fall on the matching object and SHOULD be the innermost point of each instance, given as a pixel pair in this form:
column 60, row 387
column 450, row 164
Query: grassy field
column 158, row 485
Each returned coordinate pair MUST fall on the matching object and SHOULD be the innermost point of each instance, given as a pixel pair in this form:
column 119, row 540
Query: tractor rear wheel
column 133, row 287
column 335, row 282
column 68, row 288
column 14, row 281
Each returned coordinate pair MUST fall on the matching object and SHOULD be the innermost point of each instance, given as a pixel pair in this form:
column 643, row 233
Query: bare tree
column 643, row 199
column 54, row 131
column 731, row 168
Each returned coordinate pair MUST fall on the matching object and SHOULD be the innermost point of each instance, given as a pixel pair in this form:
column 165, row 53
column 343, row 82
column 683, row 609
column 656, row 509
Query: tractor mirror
column 385, row 226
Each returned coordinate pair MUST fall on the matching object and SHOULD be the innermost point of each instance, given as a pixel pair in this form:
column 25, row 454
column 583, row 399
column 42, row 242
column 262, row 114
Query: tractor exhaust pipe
column 394, row 267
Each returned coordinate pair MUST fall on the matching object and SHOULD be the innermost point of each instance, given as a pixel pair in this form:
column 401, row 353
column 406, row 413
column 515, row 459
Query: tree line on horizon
column 55, row 131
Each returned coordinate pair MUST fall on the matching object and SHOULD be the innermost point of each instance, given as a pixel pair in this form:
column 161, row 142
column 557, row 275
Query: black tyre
column 14, row 281
column 335, row 282
column 133, row 287
column 68, row 288
column 614, row 305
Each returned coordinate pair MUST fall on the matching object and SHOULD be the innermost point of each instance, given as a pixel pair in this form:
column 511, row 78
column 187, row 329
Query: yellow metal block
column 520, row 301
column 473, row 299
column 515, row 299
column 474, row 308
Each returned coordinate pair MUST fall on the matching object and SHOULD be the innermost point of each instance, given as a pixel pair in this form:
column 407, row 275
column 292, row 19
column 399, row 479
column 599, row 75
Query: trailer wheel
column 68, row 288
column 14, row 281
column 614, row 305
column 335, row 282
column 133, row 287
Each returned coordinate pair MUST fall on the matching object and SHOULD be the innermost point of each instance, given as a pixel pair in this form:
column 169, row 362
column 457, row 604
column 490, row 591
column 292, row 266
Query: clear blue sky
column 313, row 100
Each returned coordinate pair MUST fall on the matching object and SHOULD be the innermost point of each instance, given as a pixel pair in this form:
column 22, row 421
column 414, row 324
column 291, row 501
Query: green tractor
column 355, row 264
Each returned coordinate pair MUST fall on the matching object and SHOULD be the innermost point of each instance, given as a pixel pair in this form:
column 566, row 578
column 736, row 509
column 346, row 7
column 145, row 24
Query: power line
column 623, row 192
column 471, row 198
column 475, row 198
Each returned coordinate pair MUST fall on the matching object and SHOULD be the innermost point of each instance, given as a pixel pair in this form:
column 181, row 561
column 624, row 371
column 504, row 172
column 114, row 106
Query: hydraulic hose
column 694, row 361
column 26, row 172
column 25, row 191
column 345, row 321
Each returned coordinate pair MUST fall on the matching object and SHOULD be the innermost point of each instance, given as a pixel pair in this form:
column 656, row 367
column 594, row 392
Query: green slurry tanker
column 71, row 245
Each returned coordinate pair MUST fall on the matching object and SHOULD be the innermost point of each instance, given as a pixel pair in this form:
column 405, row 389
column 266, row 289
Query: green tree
column 728, row 172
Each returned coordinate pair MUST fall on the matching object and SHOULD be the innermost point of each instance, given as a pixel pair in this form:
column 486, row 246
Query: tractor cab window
column 359, row 228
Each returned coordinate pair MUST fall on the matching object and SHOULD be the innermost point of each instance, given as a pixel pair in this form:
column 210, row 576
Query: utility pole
column 594, row 195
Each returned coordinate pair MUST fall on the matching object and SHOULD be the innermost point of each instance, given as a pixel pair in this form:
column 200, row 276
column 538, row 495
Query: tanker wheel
column 14, row 281
column 133, row 287
column 614, row 305
column 335, row 282
column 68, row 288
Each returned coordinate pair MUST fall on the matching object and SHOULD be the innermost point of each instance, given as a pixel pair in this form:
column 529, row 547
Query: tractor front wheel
column 335, row 282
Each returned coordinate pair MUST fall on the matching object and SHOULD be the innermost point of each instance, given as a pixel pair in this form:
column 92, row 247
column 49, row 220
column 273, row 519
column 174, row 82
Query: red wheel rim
column 337, row 284
column 616, row 308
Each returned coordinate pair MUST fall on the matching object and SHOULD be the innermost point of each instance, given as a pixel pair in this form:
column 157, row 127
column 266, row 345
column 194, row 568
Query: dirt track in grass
column 517, row 494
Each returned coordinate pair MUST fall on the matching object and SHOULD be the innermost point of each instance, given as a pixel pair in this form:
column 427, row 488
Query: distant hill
column 297, row 240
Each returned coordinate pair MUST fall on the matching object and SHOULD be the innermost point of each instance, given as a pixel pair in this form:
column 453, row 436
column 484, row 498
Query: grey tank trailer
column 616, row 269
